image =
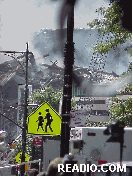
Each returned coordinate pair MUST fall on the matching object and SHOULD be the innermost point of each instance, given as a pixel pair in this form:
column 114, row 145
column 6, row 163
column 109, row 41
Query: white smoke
column 108, row 89
column 122, row 81
column 46, row 41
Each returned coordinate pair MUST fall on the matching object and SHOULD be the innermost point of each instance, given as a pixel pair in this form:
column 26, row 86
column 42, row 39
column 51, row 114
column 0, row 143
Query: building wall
column 97, row 108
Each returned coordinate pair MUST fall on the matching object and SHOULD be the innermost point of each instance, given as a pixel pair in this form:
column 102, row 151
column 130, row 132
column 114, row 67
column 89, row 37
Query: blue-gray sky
column 21, row 18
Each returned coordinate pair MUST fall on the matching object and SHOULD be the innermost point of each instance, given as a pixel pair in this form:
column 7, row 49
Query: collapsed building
column 12, row 74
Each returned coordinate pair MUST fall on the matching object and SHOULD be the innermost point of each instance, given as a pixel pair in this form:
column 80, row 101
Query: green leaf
column 110, row 24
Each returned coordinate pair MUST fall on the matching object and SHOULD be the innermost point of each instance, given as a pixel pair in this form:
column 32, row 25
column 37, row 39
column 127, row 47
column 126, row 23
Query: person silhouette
column 41, row 120
column 49, row 120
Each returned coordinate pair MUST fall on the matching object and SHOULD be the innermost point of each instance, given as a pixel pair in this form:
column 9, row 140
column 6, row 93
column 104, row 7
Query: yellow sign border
column 26, row 156
column 37, row 110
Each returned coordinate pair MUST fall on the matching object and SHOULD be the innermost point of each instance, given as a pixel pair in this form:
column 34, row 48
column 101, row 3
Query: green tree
column 110, row 25
column 47, row 94
column 128, row 87
column 126, row 91
column 29, row 142
column 29, row 148
column 121, row 110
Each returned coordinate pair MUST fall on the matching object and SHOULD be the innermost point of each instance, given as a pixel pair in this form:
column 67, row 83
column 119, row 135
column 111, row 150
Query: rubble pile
column 12, row 74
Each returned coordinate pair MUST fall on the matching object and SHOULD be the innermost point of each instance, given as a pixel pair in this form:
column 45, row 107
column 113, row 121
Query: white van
column 95, row 147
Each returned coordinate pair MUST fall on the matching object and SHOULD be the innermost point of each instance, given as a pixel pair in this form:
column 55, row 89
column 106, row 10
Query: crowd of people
column 52, row 169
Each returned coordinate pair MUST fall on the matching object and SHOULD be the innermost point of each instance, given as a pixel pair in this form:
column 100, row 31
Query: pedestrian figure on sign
column 41, row 120
column 49, row 120
column 20, row 158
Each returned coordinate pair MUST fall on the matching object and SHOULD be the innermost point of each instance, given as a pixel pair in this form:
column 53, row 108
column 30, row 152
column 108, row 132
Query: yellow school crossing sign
column 19, row 155
column 44, row 121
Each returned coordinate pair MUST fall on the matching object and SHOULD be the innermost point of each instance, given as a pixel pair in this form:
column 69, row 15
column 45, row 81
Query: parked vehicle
column 95, row 146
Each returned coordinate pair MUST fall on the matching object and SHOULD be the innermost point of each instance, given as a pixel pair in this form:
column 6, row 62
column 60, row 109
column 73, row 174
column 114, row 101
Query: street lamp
column 25, row 111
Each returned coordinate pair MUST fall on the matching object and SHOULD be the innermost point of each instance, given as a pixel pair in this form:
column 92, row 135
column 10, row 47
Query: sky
column 19, row 19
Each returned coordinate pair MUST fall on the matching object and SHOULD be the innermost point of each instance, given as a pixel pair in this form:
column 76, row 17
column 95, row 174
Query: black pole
column 121, row 151
column 33, row 155
column 121, row 140
column 25, row 113
column 25, row 116
column 42, row 153
column 67, row 89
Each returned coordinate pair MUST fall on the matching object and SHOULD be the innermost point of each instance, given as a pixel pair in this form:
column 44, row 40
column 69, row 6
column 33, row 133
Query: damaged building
column 12, row 74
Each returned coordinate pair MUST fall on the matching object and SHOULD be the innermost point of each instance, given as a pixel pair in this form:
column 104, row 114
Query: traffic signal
column 117, row 132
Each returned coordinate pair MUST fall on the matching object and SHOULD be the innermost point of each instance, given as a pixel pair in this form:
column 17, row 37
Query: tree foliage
column 49, row 95
column 128, row 87
column 29, row 148
column 110, row 25
column 126, row 91
column 96, row 124
column 121, row 110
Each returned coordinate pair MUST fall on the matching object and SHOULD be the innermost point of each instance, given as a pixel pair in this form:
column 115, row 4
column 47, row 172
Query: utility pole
column 67, row 89
column 25, row 112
